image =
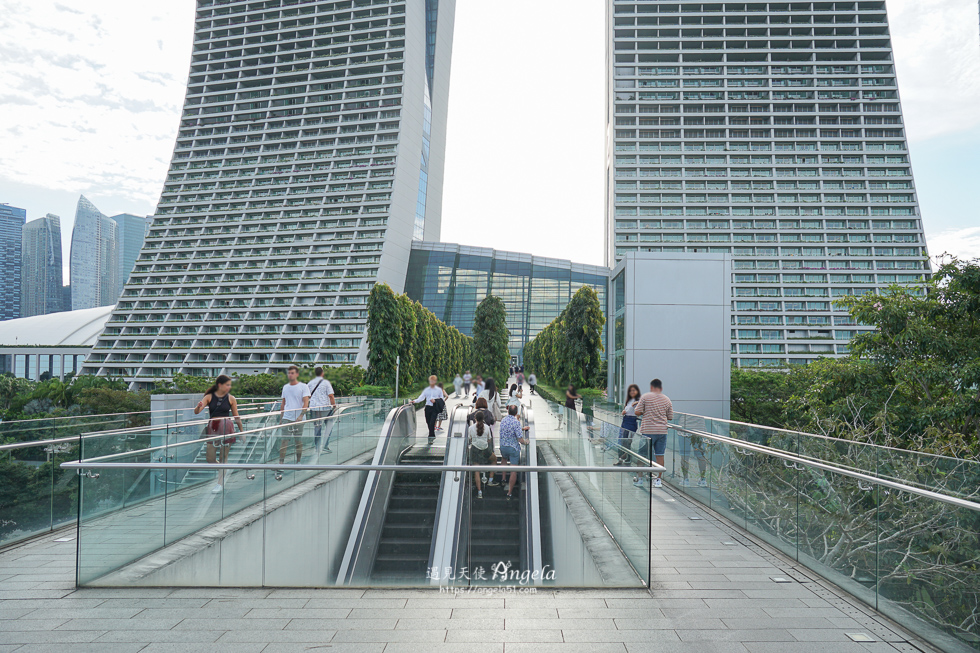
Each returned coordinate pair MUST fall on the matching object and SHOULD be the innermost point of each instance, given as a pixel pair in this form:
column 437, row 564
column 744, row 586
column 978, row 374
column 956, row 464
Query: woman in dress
column 221, row 407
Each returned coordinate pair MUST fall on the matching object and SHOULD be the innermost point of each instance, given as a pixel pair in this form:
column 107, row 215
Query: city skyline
column 936, row 59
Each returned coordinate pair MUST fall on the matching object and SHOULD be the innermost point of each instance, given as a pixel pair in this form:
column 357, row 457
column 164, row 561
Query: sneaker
column 657, row 482
column 702, row 483
column 479, row 495
column 686, row 482
column 509, row 497
column 492, row 483
column 216, row 489
column 328, row 450
column 638, row 482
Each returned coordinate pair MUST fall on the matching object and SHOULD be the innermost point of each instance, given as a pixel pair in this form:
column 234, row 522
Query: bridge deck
column 712, row 593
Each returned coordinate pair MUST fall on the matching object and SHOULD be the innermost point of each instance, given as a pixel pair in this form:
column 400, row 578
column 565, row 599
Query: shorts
column 479, row 456
column 292, row 430
column 221, row 426
column 511, row 455
column 657, row 441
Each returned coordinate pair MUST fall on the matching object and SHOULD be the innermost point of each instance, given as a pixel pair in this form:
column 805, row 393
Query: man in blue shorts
column 654, row 409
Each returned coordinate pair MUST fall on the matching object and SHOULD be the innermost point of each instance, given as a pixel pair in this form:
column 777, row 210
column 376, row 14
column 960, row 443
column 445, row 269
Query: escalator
column 412, row 521
column 406, row 534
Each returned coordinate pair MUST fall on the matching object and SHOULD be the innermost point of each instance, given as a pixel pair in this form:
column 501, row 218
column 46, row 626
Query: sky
column 91, row 91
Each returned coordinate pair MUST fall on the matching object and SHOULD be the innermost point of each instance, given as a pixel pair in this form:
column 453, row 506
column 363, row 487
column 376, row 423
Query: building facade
column 131, row 231
column 772, row 132
column 41, row 271
column 451, row 280
column 50, row 346
column 310, row 154
column 94, row 258
column 12, row 221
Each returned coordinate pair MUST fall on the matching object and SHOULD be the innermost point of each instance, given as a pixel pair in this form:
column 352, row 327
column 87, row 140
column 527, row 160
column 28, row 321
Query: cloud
column 961, row 243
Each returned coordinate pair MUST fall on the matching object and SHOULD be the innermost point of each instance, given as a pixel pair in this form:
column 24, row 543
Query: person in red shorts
column 221, row 407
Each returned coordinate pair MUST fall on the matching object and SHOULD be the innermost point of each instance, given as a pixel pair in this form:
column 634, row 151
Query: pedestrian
column 511, row 372
column 493, row 398
column 515, row 396
column 481, row 408
column 430, row 396
column 322, row 405
column 571, row 396
column 479, row 387
column 532, row 381
column 457, row 385
column 467, row 380
column 520, row 380
column 220, row 404
column 654, row 409
column 443, row 413
column 629, row 425
column 511, row 439
column 481, row 448
column 295, row 401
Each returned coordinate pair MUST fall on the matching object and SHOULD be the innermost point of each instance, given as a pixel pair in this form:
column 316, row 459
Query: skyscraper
column 40, row 283
column 772, row 131
column 94, row 264
column 11, row 222
column 310, row 154
column 131, row 230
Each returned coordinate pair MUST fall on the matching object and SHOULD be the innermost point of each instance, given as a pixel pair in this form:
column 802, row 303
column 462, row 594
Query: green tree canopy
column 569, row 350
column 490, row 339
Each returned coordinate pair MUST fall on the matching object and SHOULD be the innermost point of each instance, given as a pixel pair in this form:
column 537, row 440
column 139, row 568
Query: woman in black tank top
column 221, row 407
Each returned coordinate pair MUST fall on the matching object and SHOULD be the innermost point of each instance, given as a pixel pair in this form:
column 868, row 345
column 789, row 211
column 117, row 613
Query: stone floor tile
column 360, row 603
column 506, row 636
column 118, row 624
column 191, row 636
column 224, row 624
column 306, row 613
column 371, row 635
column 48, row 636
column 685, row 647
column 623, row 635
column 451, row 624
column 567, row 647
column 213, row 647
column 306, row 647
column 97, row 647
column 563, row 624
column 277, row 636
column 505, row 613
column 472, row 647
column 735, row 635
column 387, row 624
column 804, row 647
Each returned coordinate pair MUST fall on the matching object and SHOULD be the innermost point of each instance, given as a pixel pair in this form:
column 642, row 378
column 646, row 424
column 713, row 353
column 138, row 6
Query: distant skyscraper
column 12, row 221
column 310, row 155
column 131, row 232
column 94, row 264
column 774, row 132
column 40, row 283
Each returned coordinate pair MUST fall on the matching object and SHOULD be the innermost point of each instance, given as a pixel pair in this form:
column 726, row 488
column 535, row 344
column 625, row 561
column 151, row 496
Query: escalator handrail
column 370, row 494
column 531, row 526
column 445, row 548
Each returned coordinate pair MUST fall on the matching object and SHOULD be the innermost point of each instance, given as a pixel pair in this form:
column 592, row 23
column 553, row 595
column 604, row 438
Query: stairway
column 406, row 535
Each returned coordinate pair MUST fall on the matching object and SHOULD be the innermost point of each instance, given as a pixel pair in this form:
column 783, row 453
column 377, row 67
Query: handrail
column 341, row 410
column 116, row 432
column 88, row 464
column 830, row 438
column 136, row 412
column 134, row 429
column 902, row 487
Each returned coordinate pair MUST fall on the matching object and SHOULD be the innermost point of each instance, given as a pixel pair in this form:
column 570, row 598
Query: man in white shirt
column 322, row 403
column 431, row 396
column 295, row 402
column 467, row 380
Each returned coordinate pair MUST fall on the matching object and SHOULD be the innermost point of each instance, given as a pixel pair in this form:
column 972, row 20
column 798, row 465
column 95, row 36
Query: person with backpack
column 482, row 409
column 322, row 405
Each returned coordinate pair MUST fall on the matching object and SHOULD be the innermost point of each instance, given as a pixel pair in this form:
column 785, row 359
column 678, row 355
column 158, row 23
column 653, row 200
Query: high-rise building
column 40, row 282
column 774, row 132
column 131, row 230
column 310, row 154
column 94, row 264
column 12, row 220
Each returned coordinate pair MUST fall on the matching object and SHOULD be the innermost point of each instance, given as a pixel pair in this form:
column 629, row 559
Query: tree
column 383, row 335
column 569, row 349
column 490, row 339
column 407, row 351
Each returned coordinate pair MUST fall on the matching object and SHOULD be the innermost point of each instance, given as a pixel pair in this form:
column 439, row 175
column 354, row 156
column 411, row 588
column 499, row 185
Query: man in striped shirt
column 654, row 409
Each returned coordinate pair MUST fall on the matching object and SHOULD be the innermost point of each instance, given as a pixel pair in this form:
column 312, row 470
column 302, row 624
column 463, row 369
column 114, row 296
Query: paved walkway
column 713, row 592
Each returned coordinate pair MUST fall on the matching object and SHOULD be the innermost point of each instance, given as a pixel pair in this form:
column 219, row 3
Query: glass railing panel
column 770, row 499
column 122, row 514
column 838, row 529
column 36, row 495
column 928, row 556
